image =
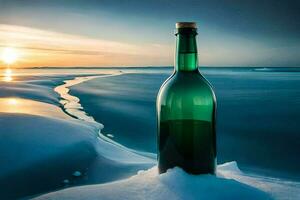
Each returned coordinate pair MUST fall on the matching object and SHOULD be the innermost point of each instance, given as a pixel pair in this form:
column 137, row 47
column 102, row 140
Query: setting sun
column 9, row 55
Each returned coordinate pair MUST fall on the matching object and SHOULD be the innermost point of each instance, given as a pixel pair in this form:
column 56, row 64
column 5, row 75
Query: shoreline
column 71, row 106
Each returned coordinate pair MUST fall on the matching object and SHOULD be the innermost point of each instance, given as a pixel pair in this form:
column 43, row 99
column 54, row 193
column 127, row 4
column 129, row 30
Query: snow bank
column 40, row 153
column 37, row 153
column 175, row 184
column 276, row 187
column 43, row 149
column 40, row 90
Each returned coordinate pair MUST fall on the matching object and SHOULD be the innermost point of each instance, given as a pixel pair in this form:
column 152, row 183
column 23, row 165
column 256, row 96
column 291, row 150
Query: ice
column 71, row 103
column 42, row 148
column 107, row 147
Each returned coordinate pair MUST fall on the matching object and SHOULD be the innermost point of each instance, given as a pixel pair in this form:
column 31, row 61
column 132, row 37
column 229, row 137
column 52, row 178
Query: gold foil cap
column 186, row 25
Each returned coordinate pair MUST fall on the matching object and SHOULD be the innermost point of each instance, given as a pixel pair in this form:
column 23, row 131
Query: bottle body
column 186, row 109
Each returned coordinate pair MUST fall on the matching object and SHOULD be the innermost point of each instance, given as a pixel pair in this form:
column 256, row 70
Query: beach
column 98, row 126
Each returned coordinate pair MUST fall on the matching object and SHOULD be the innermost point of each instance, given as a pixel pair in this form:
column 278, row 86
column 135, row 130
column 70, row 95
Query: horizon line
column 109, row 67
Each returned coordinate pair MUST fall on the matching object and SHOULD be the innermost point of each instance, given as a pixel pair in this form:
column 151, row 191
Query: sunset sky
column 141, row 33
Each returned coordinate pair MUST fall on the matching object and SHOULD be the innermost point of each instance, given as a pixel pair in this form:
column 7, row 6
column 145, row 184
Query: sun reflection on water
column 8, row 75
column 11, row 105
column 12, row 101
column 31, row 107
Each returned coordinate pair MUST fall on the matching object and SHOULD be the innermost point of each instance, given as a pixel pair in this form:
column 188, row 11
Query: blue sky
column 231, row 33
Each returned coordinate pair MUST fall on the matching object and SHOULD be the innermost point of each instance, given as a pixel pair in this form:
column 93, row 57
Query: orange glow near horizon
column 32, row 47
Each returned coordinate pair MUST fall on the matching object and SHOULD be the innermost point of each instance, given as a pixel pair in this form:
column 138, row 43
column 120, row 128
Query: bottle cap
column 186, row 25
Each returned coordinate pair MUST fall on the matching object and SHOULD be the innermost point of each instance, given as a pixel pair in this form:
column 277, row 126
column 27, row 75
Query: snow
column 276, row 187
column 40, row 148
column 77, row 173
column 71, row 103
column 175, row 184
column 43, row 149
column 107, row 147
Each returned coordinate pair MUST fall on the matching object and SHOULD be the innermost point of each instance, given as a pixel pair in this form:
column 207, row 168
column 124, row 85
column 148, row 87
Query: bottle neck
column 186, row 58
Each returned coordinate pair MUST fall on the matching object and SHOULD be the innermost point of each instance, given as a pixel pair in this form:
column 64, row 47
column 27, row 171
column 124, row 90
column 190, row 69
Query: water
column 257, row 113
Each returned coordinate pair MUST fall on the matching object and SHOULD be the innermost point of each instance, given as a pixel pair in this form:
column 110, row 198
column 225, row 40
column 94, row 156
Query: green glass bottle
column 186, row 110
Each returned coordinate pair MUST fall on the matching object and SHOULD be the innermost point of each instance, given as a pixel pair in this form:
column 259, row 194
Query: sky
column 141, row 33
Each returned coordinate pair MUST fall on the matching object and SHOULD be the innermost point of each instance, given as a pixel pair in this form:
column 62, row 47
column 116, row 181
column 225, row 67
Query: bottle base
column 190, row 170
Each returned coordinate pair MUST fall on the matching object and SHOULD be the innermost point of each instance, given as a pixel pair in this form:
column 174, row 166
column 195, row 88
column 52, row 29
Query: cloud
column 39, row 47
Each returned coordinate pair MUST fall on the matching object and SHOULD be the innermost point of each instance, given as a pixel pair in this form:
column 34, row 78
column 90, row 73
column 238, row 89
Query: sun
column 9, row 55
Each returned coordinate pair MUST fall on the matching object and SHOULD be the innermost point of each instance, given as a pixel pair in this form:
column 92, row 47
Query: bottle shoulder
column 187, row 83
column 186, row 97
